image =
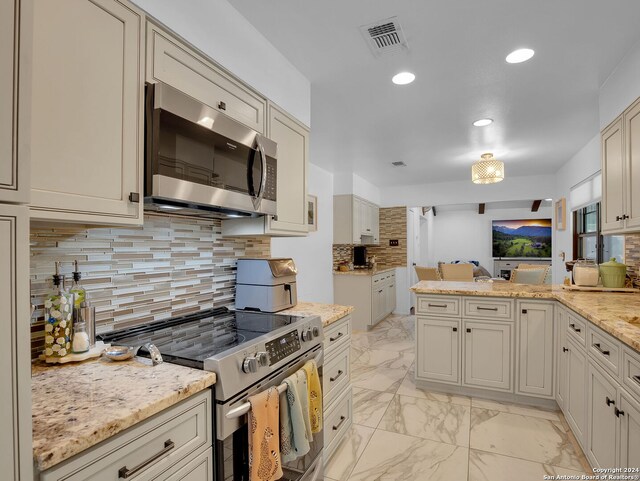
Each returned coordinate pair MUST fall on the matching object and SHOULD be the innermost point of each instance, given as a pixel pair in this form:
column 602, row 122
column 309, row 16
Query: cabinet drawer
column 605, row 350
column 489, row 308
column 336, row 374
column 337, row 334
column 439, row 305
column 149, row 448
column 338, row 419
column 631, row 370
column 172, row 62
column 577, row 329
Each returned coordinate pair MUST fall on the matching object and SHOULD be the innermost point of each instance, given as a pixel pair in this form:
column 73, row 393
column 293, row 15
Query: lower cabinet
column 439, row 353
column 602, row 430
column 487, row 354
column 562, row 350
column 535, row 348
column 373, row 296
column 576, row 403
column 629, row 431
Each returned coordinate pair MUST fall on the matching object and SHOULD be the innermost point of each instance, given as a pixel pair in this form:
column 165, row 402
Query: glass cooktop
column 189, row 340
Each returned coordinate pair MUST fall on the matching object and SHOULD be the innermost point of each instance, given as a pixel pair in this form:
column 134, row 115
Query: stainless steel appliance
column 249, row 352
column 199, row 161
column 267, row 285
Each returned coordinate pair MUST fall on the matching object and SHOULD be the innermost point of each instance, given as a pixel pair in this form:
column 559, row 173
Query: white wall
column 466, row 192
column 621, row 88
column 218, row 29
column 344, row 184
column 466, row 235
column 313, row 254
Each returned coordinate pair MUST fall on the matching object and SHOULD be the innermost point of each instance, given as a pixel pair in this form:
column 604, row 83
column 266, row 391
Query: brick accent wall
column 171, row 266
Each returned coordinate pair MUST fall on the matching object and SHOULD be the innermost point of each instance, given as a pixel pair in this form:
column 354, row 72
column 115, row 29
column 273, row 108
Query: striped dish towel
column 294, row 438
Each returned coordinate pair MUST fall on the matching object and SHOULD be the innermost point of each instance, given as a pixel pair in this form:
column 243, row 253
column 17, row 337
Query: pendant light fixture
column 487, row 170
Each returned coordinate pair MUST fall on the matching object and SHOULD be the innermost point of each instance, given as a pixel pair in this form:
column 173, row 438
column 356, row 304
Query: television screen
column 522, row 238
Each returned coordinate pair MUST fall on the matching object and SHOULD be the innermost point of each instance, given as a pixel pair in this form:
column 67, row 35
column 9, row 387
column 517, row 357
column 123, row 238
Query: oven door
column 232, row 441
column 199, row 156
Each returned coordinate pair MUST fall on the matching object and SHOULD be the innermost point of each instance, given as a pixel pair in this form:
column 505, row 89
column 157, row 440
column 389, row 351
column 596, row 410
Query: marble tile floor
column 402, row 433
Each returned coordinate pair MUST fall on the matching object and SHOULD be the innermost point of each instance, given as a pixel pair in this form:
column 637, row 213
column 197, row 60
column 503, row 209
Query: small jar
column 80, row 341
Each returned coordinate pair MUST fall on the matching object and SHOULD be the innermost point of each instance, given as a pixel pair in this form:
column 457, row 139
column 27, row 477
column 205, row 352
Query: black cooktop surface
column 191, row 339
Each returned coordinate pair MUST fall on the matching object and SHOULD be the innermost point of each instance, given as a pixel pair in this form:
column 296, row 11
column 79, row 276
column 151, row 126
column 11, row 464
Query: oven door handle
column 246, row 407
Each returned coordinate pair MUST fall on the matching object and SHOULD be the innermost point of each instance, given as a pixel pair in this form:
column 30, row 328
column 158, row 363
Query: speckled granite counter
column 616, row 313
column 365, row 272
column 76, row 406
column 329, row 313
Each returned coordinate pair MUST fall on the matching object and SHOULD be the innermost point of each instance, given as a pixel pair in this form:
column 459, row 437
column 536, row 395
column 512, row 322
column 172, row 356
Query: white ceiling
column 545, row 109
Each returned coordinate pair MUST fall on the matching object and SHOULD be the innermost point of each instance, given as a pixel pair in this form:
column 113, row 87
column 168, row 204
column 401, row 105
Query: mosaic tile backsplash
column 170, row 266
column 632, row 253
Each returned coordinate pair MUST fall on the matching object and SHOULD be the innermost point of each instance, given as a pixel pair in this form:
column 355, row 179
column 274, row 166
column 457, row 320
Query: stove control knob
column 316, row 332
column 307, row 335
column 250, row 364
column 263, row 358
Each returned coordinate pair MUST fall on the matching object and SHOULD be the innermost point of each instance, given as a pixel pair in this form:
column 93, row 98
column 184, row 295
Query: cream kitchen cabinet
column 562, row 324
column 487, row 354
column 535, row 356
column 15, row 38
column 16, row 456
column 87, row 113
column 621, row 173
column 373, row 296
column 438, row 358
column 178, row 64
column 355, row 221
column 292, row 138
column 602, row 432
column 629, row 416
column 575, row 410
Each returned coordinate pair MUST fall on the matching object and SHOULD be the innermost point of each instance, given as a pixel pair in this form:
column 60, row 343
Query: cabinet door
column 14, row 178
column 375, row 212
column 15, row 396
column 357, row 220
column 613, row 194
column 487, row 355
column 87, row 111
column 293, row 154
column 438, row 348
column 632, row 172
column 391, row 297
column 602, row 420
column 575, row 402
column 378, row 301
column 561, row 357
column 629, row 432
column 535, row 356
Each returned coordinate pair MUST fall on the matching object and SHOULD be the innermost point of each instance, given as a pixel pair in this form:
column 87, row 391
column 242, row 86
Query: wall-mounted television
column 522, row 238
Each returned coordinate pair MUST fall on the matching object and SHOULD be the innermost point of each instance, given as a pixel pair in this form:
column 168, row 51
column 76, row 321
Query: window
column 588, row 241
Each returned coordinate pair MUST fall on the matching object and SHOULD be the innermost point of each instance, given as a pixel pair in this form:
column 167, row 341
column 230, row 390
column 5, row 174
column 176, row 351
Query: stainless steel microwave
column 199, row 161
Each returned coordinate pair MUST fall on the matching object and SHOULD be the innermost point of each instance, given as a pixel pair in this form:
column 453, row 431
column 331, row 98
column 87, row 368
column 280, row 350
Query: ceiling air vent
column 385, row 36
column 399, row 163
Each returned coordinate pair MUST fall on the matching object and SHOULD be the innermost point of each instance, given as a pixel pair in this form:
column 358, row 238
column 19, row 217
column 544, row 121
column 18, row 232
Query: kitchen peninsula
column 538, row 345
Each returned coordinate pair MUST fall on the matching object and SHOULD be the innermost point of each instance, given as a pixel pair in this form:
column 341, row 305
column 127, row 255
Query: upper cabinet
column 175, row 63
column 621, row 173
column 87, row 112
column 292, row 138
column 14, row 170
column 355, row 221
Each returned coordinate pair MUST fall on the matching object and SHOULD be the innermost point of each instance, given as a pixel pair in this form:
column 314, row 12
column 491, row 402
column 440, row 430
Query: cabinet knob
column 625, row 216
column 609, row 401
column 468, row 329
column 564, row 349
column 222, row 106
column 524, row 311
column 455, row 329
column 134, row 197
column 618, row 412
column 618, row 217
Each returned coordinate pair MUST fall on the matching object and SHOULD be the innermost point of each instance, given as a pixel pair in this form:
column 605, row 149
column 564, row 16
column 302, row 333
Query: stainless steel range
column 249, row 352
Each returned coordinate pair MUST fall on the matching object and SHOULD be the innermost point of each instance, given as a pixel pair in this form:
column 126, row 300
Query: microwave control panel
column 283, row 346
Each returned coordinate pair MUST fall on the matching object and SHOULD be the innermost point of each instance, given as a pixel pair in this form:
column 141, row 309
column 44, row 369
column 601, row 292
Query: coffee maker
column 360, row 257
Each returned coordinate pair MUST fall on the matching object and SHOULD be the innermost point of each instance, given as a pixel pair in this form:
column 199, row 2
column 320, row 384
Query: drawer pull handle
column 573, row 326
column 564, row 349
column 340, row 373
column 337, row 426
column 334, row 339
column 441, row 306
column 468, row 329
column 480, row 308
column 609, row 401
column 222, row 106
column 125, row 473
column 636, row 379
column 600, row 350
column 455, row 329
column 618, row 412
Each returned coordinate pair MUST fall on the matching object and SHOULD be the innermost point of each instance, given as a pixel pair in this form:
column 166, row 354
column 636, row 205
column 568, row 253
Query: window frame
column 578, row 225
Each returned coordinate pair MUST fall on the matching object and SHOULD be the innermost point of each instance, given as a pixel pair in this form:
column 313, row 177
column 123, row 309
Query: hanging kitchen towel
column 314, row 391
column 264, row 438
column 294, row 441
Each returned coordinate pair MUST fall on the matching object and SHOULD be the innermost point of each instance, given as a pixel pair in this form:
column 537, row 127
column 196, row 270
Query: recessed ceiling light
column 520, row 55
column 403, row 78
column 483, row 122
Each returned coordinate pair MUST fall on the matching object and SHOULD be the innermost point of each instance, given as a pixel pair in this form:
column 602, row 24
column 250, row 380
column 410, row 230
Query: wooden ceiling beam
column 481, row 208
column 536, row 205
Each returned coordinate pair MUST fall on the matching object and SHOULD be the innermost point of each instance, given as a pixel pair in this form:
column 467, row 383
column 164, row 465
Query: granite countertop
column 76, row 406
column 329, row 313
column 616, row 313
column 364, row 272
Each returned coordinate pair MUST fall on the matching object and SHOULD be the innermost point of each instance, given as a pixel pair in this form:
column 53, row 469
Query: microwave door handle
column 263, row 179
